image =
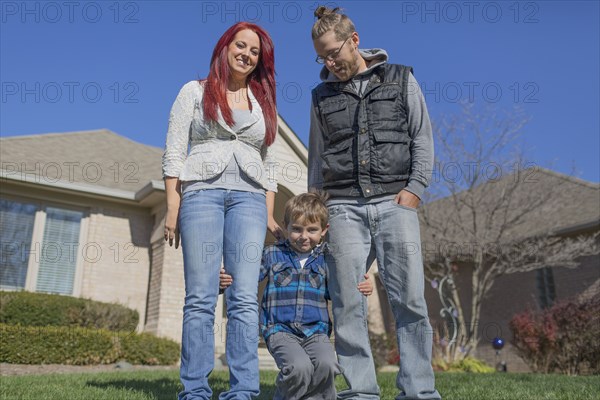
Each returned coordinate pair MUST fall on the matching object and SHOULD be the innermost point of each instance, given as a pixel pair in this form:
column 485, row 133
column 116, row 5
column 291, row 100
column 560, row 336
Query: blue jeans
column 217, row 225
column 390, row 233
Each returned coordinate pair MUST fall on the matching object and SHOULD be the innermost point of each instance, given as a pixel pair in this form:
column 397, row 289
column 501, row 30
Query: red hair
column 261, row 81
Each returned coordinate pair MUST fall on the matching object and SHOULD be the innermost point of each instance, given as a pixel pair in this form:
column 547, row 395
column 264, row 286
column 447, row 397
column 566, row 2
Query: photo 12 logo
column 467, row 171
column 12, row 253
column 259, row 11
column 70, row 92
column 471, row 92
column 70, row 171
column 53, row 12
column 453, row 12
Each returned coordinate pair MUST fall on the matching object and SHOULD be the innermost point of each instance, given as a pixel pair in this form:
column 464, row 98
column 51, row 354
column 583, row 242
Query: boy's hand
column 225, row 280
column 366, row 286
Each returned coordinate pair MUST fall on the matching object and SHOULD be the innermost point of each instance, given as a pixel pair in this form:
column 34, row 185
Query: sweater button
column 363, row 130
column 232, row 137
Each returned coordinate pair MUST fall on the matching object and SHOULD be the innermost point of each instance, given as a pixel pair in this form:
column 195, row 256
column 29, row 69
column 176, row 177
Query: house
column 573, row 209
column 544, row 203
column 82, row 214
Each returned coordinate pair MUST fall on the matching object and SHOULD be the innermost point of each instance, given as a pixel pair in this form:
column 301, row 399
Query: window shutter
column 59, row 251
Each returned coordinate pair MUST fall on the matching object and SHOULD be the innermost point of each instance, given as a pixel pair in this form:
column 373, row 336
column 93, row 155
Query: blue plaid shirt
column 295, row 298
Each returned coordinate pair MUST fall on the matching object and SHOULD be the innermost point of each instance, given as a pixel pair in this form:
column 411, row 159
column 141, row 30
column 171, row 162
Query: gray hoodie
column 419, row 129
column 373, row 57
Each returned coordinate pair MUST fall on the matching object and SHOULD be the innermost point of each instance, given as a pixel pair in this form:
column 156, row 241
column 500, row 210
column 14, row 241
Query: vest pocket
column 390, row 156
column 335, row 114
column 337, row 163
column 383, row 104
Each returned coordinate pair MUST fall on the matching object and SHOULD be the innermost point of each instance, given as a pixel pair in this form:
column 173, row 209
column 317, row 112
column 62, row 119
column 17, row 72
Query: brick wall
column 172, row 292
column 116, row 266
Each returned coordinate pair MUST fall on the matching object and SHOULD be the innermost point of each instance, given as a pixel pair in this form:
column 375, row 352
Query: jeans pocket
column 258, row 195
column 334, row 211
column 190, row 193
column 402, row 207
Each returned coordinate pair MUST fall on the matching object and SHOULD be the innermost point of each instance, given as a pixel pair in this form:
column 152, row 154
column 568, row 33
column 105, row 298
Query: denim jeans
column 215, row 225
column 359, row 233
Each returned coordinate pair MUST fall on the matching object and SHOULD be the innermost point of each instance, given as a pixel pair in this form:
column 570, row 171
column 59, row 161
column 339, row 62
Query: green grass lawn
column 165, row 385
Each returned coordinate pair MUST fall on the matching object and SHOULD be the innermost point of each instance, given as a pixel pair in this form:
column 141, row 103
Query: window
column 39, row 247
column 16, row 228
column 545, row 286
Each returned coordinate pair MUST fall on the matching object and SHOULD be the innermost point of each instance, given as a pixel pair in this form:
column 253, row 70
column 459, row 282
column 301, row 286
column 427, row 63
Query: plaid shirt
column 295, row 298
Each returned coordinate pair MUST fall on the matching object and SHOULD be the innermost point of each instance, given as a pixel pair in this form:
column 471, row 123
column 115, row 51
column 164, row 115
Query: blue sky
column 68, row 66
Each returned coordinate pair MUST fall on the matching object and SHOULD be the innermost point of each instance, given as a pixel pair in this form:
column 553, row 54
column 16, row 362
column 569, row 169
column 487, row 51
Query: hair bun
column 320, row 11
column 323, row 11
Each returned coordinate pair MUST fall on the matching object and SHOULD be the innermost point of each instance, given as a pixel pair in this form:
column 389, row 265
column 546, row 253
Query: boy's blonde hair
column 332, row 18
column 307, row 207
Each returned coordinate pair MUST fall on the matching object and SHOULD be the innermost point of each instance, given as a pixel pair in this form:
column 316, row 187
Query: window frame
column 37, row 236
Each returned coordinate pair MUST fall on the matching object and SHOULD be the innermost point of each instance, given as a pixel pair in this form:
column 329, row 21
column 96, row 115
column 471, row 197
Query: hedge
column 82, row 346
column 39, row 309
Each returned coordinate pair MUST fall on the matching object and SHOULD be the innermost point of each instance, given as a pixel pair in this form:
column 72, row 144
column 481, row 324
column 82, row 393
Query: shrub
column 561, row 338
column 380, row 347
column 470, row 364
column 147, row 349
column 82, row 346
column 393, row 356
column 384, row 349
column 39, row 309
column 467, row 364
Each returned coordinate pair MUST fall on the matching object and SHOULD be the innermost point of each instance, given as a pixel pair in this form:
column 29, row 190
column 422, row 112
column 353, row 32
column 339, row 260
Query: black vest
column 366, row 140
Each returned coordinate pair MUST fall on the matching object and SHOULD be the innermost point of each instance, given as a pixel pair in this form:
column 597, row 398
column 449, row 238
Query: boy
column 294, row 316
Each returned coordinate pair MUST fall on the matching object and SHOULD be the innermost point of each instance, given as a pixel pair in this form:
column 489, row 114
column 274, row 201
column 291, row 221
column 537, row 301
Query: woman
column 220, row 197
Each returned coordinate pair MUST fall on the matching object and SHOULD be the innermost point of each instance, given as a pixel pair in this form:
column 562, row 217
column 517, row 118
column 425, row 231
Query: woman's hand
column 366, row 286
column 275, row 229
column 272, row 224
column 173, row 191
column 225, row 280
column 171, row 227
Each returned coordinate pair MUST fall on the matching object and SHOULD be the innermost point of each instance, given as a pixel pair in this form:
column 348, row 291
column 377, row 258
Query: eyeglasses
column 331, row 56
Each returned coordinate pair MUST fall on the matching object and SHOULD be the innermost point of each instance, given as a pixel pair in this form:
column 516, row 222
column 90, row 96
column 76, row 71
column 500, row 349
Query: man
column 371, row 149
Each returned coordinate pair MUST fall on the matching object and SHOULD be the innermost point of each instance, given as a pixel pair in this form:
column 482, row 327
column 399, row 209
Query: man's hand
column 407, row 199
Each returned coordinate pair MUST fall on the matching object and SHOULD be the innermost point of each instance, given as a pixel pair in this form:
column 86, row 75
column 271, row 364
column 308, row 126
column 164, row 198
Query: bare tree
column 483, row 201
